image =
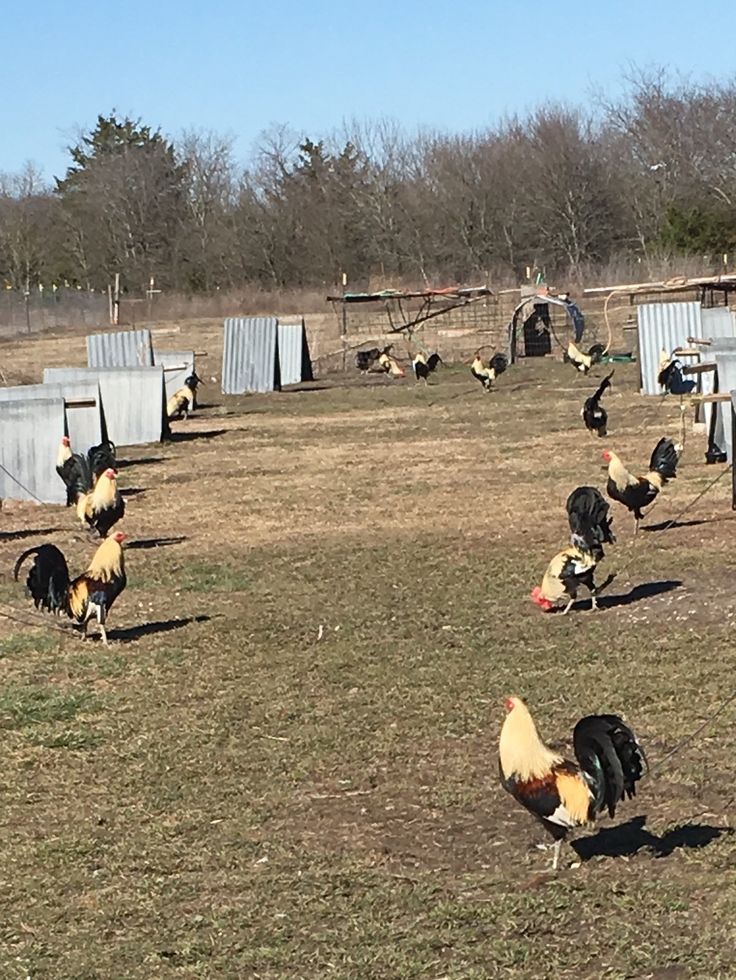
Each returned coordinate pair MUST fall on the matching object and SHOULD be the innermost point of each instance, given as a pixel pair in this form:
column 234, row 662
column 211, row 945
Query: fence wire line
column 21, row 485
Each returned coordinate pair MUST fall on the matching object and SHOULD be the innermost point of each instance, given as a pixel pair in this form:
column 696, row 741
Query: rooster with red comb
column 590, row 528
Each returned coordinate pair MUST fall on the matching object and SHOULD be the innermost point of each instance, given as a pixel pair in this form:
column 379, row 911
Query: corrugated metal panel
column 124, row 348
column 30, row 432
column 250, row 355
column 718, row 321
column 663, row 326
column 294, row 361
column 177, row 365
column 726, row 369
column 718, row 345
column 85, row 425
column 133, row 400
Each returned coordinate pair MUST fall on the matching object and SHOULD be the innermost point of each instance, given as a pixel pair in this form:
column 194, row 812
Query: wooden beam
column 722, row 396
column 80, row 402
column 698, row 368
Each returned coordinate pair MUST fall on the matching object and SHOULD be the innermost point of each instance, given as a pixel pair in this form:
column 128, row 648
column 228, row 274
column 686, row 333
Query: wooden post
column 27, row 299
column 109, row 303
column 344, row 324
column 733, row 456
column 116, row 301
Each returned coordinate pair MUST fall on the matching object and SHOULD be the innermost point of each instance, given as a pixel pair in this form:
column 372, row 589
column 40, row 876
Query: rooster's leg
column 568, row 607
column 103, row 633
column 556, row 855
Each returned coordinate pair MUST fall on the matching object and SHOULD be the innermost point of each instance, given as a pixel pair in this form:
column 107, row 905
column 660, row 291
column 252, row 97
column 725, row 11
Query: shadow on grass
column 190, row 436
column 646, row 591
column 303, row 386
column 629, row 838
column 123, row 464
column 667, row 525
column 145, row 544
column 149, row 629
column 19, row 535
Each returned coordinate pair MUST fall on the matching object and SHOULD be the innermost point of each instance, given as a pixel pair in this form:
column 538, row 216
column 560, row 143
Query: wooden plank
column 717, row 397
column 80, row 402
column 698, row 368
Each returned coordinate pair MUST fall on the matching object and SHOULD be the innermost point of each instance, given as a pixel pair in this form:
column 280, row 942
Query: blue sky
column 237, row 67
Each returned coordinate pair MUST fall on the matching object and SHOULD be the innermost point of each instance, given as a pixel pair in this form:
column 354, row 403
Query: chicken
column 80, row 473
column 182, row 401
column 389, row 365
column 564, row 794
column 593, row 415
column 487, row 375
column 90, row 595
column 101, row 458
column 637, row 492
column 424, row 365
column 583, row 362
column 101, row 507
column 671, row 378
column 590, row 529
column 64, row 453
column 365, row 359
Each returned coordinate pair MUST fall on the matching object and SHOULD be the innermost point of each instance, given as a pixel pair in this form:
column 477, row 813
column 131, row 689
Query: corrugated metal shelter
column 718, row 321
column 663, row 326
column 177, row 365
column 30, row 432
column 84, row 418
column 122, row 348
column 295, row 364
column 250, row 359
column 723, row 350
column 133, row 400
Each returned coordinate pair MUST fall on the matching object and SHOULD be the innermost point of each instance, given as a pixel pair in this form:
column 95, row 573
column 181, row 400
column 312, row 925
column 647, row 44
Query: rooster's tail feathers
column 610, row 755
column 498, row 363
column 664, row 460
column 606, row 383
column 101, row 458
column 48, row 578
column 587, row 513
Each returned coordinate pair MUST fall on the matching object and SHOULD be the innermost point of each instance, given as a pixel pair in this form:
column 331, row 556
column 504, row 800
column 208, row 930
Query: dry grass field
column 285, row 765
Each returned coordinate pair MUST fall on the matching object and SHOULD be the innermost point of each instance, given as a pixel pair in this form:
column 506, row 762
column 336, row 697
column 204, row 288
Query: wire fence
column 22, row 313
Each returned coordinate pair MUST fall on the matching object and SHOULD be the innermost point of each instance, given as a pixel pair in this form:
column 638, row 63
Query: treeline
column 564, row 189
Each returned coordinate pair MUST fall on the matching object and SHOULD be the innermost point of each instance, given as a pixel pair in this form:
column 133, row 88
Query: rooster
column 671, row 378
column 80, row 473
column 583, row 362
column 564, row 794
column 90, row 595
column 389, row 365
column 637, row 492
column 487, row 375
column 593, row 415
column 98, row 502
column 590, row 529
column 182, row 401
column 424, row 366
column 365, row 359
